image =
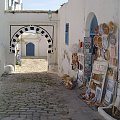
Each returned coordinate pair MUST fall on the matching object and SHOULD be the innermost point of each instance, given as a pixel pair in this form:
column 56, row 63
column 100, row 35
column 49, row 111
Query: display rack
column 98, row 75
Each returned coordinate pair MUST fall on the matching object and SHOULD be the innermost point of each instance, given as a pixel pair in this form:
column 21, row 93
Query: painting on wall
column 98, row 94
column 75, row 62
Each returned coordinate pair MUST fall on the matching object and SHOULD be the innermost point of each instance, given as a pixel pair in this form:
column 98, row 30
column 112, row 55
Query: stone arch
column 38, row 29
column 90, row 18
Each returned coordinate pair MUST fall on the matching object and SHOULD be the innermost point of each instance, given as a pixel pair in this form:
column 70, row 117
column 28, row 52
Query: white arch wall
column 23, row 18
column 39, row 30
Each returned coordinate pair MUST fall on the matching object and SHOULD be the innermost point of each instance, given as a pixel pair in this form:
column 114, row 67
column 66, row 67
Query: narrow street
column 32, row 93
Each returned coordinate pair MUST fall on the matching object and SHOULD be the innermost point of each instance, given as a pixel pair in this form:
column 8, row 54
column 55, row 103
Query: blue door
column 30, row 47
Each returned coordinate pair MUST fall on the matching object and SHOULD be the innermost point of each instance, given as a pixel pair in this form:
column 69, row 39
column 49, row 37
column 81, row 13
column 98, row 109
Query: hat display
column 112, row 27
column 105, row 28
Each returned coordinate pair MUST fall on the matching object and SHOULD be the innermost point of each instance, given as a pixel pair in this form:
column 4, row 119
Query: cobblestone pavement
column 40, row 96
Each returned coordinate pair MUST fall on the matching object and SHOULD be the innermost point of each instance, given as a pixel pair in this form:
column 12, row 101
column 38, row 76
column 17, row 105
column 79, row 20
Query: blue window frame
column 67, row 34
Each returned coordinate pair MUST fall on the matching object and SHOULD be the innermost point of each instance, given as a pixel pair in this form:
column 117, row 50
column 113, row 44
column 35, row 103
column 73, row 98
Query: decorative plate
column 105, row 28
column 112, row 27
column 105, row 41
column 112, row 39
column 95, row 40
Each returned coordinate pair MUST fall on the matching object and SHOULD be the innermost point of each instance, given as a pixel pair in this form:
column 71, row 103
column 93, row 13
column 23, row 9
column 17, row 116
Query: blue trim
column 67, row 34
column 93, row 25
column 30, row 49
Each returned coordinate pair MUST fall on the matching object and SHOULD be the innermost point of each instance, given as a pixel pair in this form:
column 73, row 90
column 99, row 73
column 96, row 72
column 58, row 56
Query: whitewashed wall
column 41, row 45
column 75, row 13
column 2, row 58
column 8, row 18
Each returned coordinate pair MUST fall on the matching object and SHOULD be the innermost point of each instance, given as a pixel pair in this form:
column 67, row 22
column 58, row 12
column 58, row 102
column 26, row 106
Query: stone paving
column 40, row 96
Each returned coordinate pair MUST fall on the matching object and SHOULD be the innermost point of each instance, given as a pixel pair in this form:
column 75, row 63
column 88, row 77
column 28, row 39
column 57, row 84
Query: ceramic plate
column 105, row 28
column 112, row 27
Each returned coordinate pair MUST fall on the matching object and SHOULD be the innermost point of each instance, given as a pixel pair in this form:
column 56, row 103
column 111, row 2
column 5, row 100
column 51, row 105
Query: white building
column 14, row 5
column 32, row 44
column 63, row 32
column 15, row 22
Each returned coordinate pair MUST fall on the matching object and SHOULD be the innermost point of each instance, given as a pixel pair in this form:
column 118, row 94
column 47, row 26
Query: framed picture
column 110, row 85
column 108, row 96
column 98, row 94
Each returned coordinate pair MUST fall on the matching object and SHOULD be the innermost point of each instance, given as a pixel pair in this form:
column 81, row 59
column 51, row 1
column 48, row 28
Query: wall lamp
column 50, row 16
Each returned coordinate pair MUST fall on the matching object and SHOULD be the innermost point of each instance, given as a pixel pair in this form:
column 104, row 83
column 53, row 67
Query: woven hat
column 112, row 27
column 105, row 28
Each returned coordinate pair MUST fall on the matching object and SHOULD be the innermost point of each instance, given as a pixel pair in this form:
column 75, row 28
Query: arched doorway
column 91, row 24
column 38, row 30
column 16, row 37
column 30, row 49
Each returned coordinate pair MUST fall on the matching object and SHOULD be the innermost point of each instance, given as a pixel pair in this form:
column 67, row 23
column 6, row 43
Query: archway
column 91, row 24
column 37, row 29
column 30, row 49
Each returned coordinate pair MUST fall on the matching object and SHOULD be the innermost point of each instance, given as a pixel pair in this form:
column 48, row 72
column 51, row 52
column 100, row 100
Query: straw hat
column 112, row 27
column 105, row 28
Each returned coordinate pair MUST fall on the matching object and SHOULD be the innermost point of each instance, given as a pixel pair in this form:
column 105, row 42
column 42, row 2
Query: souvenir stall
column 101, row 87
column 77, row 66
column 77, row 62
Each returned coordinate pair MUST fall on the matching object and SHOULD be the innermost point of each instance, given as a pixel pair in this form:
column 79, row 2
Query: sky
column 42, row 4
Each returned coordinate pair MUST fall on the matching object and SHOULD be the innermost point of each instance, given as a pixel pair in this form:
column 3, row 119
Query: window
column 67, row 34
